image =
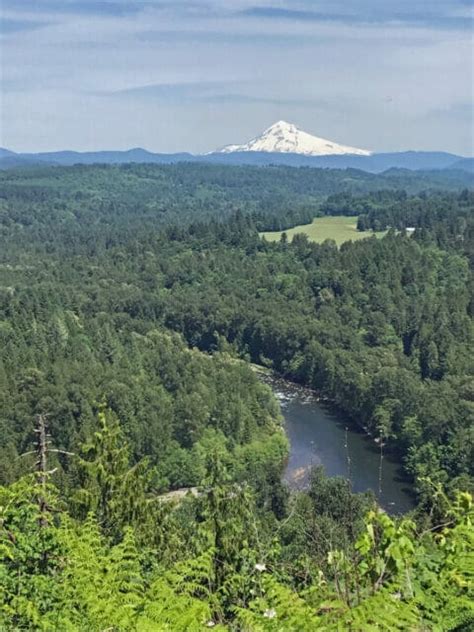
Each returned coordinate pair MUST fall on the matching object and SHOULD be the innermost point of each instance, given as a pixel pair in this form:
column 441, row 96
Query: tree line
column 128, row 330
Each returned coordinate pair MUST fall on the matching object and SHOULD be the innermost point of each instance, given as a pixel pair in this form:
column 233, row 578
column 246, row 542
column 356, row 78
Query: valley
column 236, row 316
column 134, row 300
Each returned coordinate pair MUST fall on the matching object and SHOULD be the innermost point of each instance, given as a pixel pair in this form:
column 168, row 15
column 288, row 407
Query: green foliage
column 108, row 487
column 30, row 554
column 277, row 608
column 445, row 574
column 382, row 611
column 102, row 300
column 101, row 586
column 383, row 328
column 68, row 575
column 181, row 600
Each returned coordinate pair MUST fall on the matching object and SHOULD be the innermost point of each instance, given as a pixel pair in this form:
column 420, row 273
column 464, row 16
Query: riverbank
column 320, row 435
column 268, row 375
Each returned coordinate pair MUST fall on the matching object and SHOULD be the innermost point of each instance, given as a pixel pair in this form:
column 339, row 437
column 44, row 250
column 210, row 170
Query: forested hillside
column 40, row 201
column 131, row 300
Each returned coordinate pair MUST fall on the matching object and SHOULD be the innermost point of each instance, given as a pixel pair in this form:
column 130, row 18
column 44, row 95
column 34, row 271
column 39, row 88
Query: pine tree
column 111, row 489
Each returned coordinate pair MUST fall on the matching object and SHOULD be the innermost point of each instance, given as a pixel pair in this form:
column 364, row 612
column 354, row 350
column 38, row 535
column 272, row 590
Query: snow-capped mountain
column 283, row 137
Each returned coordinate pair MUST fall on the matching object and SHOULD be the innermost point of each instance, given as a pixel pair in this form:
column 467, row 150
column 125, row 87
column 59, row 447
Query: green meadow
column 341, row 228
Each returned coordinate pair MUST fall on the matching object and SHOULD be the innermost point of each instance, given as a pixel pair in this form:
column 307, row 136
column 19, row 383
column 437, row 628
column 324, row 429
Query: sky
column 194, row 75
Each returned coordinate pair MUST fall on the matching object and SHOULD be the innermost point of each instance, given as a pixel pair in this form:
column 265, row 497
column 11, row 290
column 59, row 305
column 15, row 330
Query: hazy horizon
column 194, row 76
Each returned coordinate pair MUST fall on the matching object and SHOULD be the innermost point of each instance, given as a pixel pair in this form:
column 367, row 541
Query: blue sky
column 177, row 75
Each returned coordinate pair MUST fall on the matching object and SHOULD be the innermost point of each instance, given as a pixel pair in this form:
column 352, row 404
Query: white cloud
column 375, row 85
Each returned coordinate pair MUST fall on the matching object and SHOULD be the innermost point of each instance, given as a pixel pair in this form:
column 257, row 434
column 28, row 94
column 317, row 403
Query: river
column 320, row 436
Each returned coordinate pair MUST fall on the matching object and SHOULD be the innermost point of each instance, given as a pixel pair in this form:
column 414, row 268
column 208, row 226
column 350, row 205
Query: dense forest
column 132, row 299
column 44, row 200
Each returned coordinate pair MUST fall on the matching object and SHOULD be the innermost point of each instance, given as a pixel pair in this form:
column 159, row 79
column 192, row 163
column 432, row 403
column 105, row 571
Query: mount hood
column 283, row 137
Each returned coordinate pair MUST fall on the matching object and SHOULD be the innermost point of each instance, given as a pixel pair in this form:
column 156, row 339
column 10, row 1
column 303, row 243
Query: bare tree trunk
column 42, row 466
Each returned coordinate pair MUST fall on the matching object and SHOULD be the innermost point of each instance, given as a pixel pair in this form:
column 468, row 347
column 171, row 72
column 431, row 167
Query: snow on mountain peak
column 284, row 137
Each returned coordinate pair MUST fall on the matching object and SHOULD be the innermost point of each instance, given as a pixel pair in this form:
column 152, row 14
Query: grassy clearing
column 341, row 228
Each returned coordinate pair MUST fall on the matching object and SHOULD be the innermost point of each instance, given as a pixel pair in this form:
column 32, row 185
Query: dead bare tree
column 41, row 450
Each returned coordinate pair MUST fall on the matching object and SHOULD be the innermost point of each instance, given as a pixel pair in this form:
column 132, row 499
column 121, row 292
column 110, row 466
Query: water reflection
column 319, row 436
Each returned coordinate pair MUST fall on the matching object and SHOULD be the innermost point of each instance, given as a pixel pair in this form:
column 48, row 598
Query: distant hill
column 374, row 163
column 466, row 164
column 11, row 161
column 6, row 153
column 136, row 155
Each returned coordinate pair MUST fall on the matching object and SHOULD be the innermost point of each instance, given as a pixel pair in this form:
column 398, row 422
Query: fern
column 446, row 591
column 279, row 608
column 385, row 610
column 181, row 599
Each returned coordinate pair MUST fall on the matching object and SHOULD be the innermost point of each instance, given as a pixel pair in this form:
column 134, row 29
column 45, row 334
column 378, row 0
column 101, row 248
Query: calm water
column 321, row 437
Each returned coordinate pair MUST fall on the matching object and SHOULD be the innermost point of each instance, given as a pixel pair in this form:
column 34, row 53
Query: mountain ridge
column 376, row 163
column 282, row 143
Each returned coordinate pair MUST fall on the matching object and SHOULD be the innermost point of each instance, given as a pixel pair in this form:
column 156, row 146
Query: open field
column 341, row 228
